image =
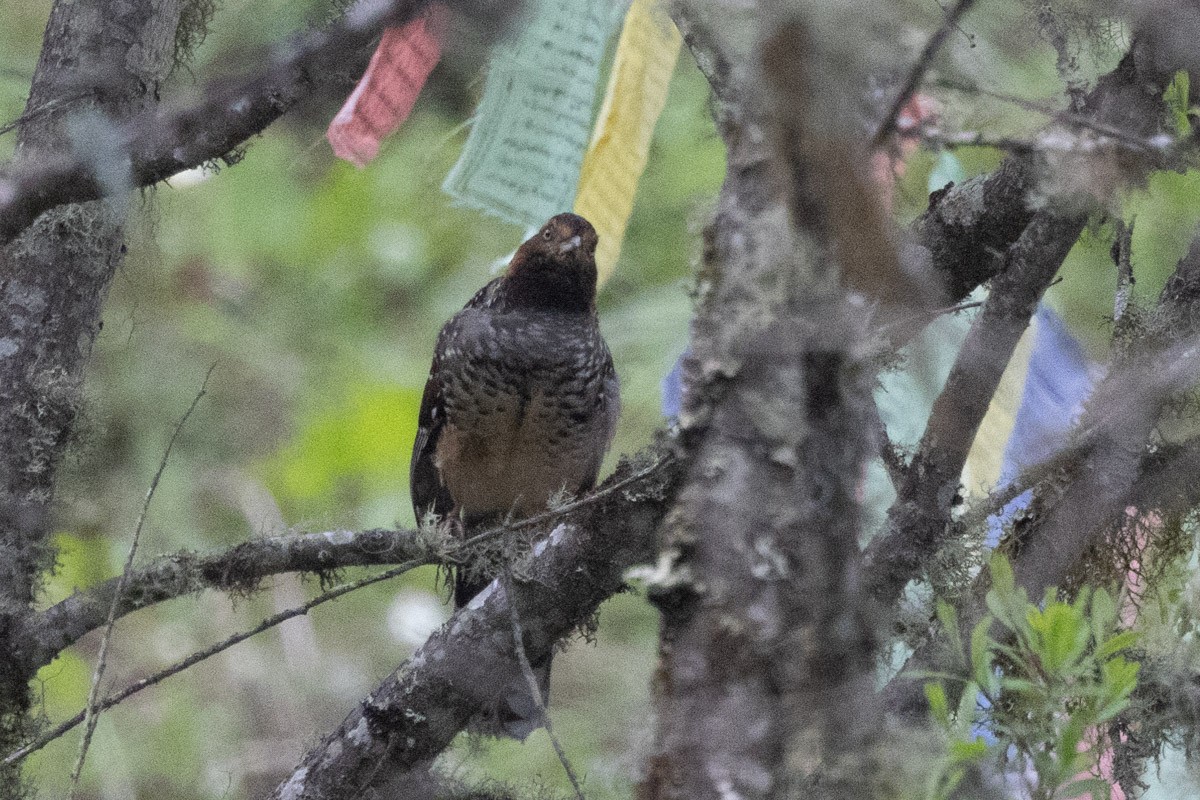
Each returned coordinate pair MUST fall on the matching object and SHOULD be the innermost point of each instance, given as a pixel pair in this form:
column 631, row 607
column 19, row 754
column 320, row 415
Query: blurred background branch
column 162, row 144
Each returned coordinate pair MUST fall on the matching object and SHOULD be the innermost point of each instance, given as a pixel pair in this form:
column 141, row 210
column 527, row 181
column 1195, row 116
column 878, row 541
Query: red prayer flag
column 387, row 91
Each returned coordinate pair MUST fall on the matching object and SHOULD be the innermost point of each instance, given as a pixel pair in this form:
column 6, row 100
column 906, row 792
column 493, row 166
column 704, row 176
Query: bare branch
column 1114, row 468
column 102, row 658
column 970, row 227
column 1118, row 423
column 52, row 284
column 974, row 229
column 531, row 682
column 201, row 655
column 647, row 484
column 1120, row 419
column 919, row 520
column 711, row 58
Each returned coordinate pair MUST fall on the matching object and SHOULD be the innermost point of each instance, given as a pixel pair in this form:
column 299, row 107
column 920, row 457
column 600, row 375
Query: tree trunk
column 101, row 62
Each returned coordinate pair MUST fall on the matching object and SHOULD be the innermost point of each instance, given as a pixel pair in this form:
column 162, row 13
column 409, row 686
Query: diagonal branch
column 630, row 491
column 95, row 707
column 102, row 658
column 237, row 570
column 970, row 231
column 531, row 681
column 1112, row 469
column 919, row 521
column 968, row 228
column 1114, row 473
column 416, row 712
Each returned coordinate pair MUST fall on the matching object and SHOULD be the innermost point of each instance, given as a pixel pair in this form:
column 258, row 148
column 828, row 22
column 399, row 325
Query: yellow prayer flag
column 982, row 472
column 616, row 158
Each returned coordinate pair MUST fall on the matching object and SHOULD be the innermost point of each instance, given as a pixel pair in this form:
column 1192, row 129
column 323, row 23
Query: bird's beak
column 570, row 244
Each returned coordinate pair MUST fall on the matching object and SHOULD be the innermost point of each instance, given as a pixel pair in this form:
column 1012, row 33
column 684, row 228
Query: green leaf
column 981, row 655
column 967, row 752
column 1068, row 743
column 1176, row 98
column 1008, row 609
column 1119, row 675
column 965, row 715
column 1062, row 635
column 1118, row 679
column 1122, row 641
column 1110, row 710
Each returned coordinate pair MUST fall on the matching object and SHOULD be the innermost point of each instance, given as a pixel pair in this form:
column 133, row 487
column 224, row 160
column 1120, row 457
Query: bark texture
column 101, row 63
column 765, row 641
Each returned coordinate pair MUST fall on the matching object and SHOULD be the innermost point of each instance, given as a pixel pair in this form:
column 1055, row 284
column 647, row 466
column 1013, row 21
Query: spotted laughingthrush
column 521, row 402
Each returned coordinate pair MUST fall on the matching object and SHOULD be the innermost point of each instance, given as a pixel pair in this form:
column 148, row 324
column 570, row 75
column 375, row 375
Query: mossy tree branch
column 919, row 522
column 52, row 283
column 243, row 567
column 463, row 667
column 1112, row 467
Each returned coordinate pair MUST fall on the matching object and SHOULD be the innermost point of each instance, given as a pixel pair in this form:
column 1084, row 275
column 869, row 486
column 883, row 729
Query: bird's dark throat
column 548, row 285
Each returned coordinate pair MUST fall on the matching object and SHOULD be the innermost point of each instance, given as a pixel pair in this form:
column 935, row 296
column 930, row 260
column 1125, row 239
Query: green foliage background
column 317, row 290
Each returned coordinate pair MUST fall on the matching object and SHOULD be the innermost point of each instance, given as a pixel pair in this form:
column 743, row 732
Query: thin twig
column 710, row 58
column 175, row 575
column 532, row 682
column 951, row 141
column 932, row 314
column 208, row 652
column 1156, row 144
column 583, row 502
column 917, row 73
column 102, row 658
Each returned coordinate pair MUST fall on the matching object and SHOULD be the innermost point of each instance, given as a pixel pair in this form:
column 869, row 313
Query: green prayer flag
column 522, row 157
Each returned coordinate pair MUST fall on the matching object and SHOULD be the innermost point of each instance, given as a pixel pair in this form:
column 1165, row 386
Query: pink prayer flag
column 388, row 90
column 887, row 167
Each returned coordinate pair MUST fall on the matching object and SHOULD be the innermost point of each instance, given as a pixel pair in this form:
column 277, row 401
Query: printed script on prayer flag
column 388, row 90
column 523, row 155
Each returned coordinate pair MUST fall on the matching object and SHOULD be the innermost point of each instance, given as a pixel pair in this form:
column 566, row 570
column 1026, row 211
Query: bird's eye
column 546, row 234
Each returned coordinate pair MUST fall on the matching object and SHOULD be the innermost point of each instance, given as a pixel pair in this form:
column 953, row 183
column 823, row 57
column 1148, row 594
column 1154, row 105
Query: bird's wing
column 424, row 482
column 426, row 489
column 612, row 401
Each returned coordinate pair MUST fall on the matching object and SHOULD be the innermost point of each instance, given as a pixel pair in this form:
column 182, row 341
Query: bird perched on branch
column 521, row 402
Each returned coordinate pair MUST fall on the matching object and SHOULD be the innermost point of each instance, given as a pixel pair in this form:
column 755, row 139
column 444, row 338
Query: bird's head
column 556, row 267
